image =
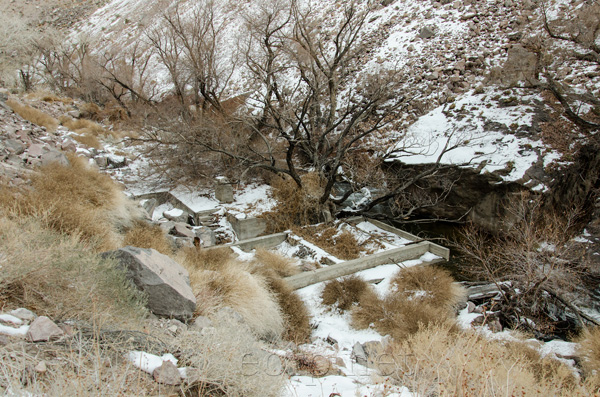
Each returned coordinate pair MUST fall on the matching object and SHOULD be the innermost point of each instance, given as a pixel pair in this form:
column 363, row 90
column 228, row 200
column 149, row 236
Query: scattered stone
column 35, row 150
column 471, row 307
column 41, row 367
column 165, row 281
column 43, row 329
column 54, row 156
column 167, row 374
column 4, row 340
column 359, row 354
column 426, row 33
column 14, row 146
column 176, row 215
column 182, row 230
column 202, row 322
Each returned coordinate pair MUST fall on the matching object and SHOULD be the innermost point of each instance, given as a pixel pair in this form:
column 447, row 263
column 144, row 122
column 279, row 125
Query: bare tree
column 534, row 264
column 573, row 39
column 189, row 47
column 125, row 77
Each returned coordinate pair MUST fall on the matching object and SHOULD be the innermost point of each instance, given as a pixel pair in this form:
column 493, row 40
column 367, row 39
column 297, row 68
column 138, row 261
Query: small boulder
column 41, row 367
column 176, row 215
column 181, row 230
column 54, row 156
column 426, row 32
column 165, row 281
column 43, row 329
column 23, row 314
column 167, row 374
column 202, row 322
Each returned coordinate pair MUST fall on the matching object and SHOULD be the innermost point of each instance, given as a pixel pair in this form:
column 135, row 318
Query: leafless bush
column 534, row 263
column 438, row 360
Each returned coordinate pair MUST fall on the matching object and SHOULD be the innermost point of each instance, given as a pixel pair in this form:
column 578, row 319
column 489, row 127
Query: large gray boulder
column 165, row 281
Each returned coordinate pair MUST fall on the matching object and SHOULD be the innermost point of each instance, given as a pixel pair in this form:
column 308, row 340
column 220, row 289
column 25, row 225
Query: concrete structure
column 247, row 228
column 412, row 251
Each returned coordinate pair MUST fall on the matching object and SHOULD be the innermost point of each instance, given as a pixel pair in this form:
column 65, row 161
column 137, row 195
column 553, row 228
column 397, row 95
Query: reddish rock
column 43, row 329
column 167, row 374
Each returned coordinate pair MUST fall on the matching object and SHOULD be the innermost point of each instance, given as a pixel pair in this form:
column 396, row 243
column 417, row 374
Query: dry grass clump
column 589, row 350
column 88, row 140
column 230, row 361
column 282, row 266
column 78, row 200
column 234, row 285
column 295, row 314
column 146, row 235
column 33, row 115
column 396, row 316
column 341, row 244
column 420, row 296
column 206, row 259
column 53, row 274
column 83, row 365
column 295, row 206
column 82, row 126
column 428, row 283
column 437, row 360
column 346, row 292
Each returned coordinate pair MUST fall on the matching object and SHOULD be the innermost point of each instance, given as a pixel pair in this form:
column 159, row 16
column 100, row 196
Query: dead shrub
column 437, row 360
column 428, row 283
column 341, row 244
column 419, row 297
column 396, row 316
column 282, row 266
column 246, row 293
column 53, row 274
column 77, row 200
column 589, row 350
column 295, row 206
column 230, row 361
column 206, row 259
column 88, row 140
column 83, row 365
column 295, row 313
column 345, row 292
column 33, row 115
column 146, row 235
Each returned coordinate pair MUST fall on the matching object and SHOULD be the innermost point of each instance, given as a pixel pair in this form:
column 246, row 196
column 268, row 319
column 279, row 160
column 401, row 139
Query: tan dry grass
column 230, row 361
column 55, row 275
column 235, row 286
column 429, row 284
column 437, row 360
column 345, row 293
column 420, row 296
column 88, row 140
column 82, row 126
column 33, row 115
column 341, row 244
column 77, row 200
column 589, row 350
column 80, row 366
column 282, row 266
column 295, row 206
column 295, row 314
column 146, row 235
column 205, row 259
